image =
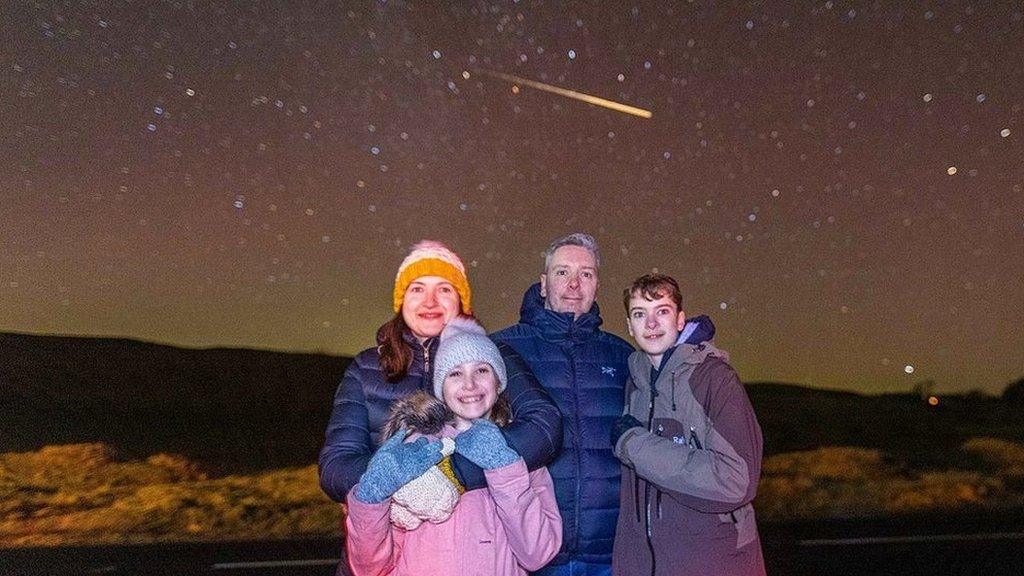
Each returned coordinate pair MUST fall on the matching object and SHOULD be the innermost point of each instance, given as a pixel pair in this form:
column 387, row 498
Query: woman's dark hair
column 395, row 354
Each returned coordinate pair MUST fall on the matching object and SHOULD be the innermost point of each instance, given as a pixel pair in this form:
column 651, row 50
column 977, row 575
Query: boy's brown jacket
column 689, row 478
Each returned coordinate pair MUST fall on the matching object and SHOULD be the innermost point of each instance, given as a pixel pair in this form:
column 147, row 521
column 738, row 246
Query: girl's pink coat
column 508, row 528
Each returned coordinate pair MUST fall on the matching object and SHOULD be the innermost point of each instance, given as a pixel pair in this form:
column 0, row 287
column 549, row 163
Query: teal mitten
column 394, row 465
column 484, row 445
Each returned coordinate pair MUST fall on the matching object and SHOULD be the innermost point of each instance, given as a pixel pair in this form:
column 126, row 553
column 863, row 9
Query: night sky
column 838, row 184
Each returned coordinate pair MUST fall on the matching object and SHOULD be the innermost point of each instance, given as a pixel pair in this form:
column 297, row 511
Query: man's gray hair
column 575, row 239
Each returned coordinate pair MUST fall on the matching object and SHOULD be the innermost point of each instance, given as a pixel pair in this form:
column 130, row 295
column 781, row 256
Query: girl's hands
column 484, row 445
column 395, row 464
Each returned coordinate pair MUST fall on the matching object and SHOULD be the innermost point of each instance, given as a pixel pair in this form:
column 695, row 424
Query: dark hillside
column 903, row 425
column 236, row 409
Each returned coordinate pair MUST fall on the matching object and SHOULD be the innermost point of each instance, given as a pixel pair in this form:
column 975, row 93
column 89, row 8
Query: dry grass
column 82, row 493
column 850, row 482
column 998, row 456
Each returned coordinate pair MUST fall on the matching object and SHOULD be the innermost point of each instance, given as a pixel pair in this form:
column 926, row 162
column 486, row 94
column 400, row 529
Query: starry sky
column 838, row 184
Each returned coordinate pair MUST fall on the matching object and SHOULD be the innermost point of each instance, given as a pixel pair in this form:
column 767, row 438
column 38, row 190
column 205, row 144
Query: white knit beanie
column 464, row 340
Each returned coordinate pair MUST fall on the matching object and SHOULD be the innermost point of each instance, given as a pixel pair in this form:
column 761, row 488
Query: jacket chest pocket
column 693, row 435
column 670, row 428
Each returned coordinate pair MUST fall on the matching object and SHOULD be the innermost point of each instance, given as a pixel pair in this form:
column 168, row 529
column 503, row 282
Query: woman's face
column 470, row 391
column 429, row 303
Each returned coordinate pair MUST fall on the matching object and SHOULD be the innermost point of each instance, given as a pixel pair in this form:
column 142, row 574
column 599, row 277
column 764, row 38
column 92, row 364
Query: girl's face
column 470, row 391
column 429, row 303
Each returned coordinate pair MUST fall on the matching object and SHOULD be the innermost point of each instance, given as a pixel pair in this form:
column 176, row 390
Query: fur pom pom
column 419, row 413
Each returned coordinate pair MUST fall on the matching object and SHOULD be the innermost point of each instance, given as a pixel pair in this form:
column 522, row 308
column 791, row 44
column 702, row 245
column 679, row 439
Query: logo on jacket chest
column 608, row 371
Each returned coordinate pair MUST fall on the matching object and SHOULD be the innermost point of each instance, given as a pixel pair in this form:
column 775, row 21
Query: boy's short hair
column 652, row 287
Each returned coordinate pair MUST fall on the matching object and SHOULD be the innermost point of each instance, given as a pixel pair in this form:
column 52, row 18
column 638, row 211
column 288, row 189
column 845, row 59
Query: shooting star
column 515, row 80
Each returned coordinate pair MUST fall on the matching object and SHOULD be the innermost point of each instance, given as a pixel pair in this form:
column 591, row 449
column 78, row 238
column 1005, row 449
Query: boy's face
column 654, row 324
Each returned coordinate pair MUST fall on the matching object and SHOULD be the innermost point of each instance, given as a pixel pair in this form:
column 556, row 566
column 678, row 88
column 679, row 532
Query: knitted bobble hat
column 430, row 258
column 464, row 340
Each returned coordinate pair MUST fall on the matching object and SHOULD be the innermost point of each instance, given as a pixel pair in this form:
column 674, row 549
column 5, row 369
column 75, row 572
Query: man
column 584, row 369
column 691, row 449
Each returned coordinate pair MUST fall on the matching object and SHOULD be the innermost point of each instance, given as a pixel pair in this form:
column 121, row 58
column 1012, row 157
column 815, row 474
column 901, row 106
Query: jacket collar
column 680, row 356
column 558, row 326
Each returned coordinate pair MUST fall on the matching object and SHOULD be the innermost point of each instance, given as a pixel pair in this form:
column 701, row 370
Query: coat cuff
column 366, row 513
column 498, row 478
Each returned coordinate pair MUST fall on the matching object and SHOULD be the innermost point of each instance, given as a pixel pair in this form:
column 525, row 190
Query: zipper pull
column 694, row 440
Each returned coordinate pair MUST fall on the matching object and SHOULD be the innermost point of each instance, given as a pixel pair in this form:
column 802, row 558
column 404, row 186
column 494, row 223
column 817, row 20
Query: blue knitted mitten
column 394, row 465
column 484, row 445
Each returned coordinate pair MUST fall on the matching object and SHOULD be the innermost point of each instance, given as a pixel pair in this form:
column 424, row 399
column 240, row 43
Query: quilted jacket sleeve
column 347, row 448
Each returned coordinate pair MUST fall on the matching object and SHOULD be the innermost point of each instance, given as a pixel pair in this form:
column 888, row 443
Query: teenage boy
column 691, row 449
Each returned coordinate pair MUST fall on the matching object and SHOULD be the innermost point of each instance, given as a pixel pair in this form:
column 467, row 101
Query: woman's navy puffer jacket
column 364, row 397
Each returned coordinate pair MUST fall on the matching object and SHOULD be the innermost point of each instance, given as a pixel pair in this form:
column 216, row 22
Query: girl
column 508, row 529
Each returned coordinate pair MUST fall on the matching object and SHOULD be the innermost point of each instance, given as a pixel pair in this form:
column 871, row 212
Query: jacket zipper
column 647, row 486
column 673, row 391
column 577, row 460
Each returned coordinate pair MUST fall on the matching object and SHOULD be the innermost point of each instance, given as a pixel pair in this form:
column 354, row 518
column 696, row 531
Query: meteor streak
column 570, row 94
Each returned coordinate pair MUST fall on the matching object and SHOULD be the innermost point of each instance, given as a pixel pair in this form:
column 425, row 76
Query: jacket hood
column 640, row 363
column 697, row 329
column 557, row 325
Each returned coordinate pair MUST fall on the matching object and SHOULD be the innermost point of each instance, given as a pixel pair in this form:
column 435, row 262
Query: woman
column 510, row 528
column 430, row 289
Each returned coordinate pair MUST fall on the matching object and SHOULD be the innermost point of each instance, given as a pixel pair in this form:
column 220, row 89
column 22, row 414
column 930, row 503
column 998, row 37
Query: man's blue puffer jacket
column 585, row 370
column 364, row 397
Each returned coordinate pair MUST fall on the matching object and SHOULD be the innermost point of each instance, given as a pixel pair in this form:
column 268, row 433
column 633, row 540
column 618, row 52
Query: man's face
column 570, row 282
column 654, row 324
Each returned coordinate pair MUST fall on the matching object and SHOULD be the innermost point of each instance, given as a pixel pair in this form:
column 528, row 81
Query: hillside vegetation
column 83, row 493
